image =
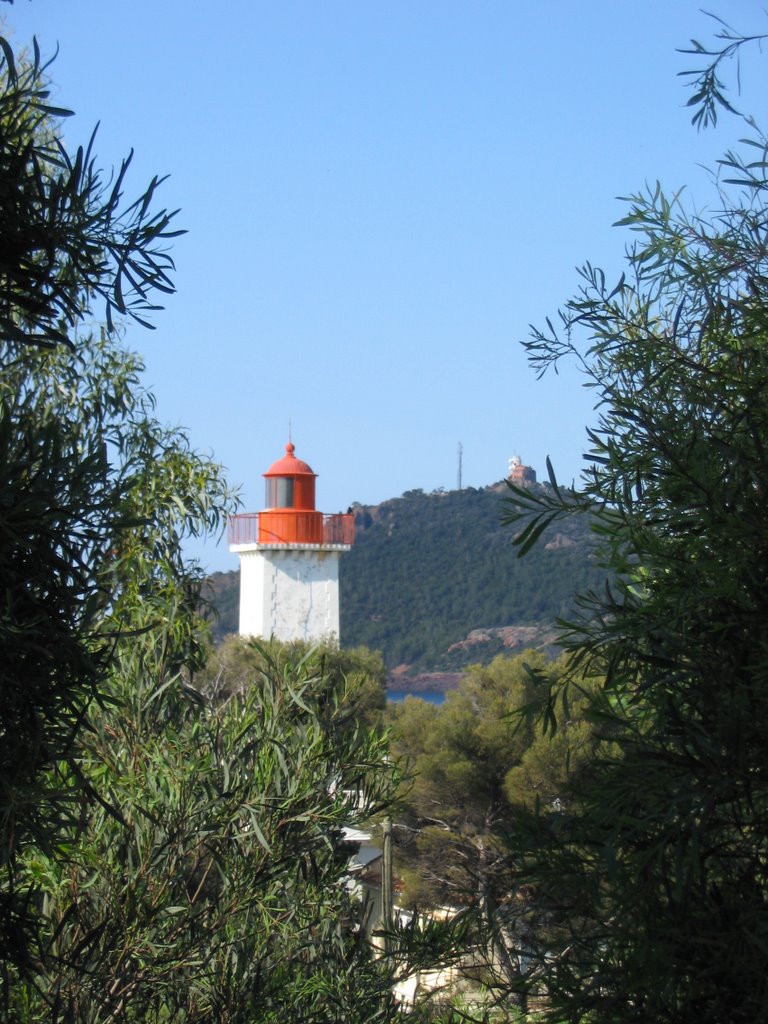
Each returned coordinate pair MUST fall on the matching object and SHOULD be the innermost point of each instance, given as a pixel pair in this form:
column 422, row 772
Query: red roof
column 289, row 465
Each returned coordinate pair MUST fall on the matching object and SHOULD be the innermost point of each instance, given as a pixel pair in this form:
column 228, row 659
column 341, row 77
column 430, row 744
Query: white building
column 289, row 558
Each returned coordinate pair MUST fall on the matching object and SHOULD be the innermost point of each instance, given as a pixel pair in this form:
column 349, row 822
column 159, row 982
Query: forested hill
column 434, row 582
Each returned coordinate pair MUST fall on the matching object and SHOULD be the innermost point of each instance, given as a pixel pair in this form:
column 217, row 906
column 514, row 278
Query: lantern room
column 289, row 516
column 290, row 483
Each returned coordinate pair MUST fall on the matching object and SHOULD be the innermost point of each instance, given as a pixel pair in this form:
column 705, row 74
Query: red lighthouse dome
column 290, row 516
column 290, row 483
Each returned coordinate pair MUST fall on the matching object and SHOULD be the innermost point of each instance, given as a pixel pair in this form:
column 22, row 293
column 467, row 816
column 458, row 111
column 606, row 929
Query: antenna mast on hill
column 460, row 454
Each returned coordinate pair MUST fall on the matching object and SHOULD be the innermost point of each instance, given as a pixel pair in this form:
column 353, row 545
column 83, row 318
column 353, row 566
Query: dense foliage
column 81, row 457
column 361, row 674
column 479, row 765
column 660, row 880
column 212, row 886
column 97, row 497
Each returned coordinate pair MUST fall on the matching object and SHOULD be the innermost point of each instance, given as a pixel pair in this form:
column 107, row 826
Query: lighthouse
column 289, row 558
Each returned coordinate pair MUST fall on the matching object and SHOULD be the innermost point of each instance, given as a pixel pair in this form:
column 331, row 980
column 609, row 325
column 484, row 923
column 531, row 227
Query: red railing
column 291, row 528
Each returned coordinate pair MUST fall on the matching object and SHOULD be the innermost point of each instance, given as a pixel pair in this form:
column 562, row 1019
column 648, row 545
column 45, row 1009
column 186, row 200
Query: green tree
column 478, row 765
column 95, row 496
column 96, row 499
column 232, row 666
column 68, row 233
column 475, row 759
column 213, row 888
column 657, row 873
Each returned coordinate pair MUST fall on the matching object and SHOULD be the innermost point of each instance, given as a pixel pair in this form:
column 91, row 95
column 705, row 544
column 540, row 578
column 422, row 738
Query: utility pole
column 460, row 454
column 386, row 882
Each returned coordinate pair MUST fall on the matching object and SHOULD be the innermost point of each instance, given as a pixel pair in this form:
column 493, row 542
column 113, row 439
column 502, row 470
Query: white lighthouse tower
column 289, row 558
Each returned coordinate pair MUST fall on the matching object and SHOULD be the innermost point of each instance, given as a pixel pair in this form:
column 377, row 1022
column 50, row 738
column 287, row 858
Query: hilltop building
column 289, row 558
column 520, row 475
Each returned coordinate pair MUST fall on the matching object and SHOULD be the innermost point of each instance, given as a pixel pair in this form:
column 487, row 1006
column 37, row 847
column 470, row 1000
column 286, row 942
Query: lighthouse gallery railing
column 336, row 529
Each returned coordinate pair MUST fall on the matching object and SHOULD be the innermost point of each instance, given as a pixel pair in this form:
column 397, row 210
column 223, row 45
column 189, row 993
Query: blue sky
column 380, row 198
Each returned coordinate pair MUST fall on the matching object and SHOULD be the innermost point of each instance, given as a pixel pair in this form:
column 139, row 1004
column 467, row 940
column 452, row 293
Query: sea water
column 431, row 697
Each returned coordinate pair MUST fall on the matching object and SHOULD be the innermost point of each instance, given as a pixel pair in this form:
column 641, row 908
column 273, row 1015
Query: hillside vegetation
column 434, row 582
